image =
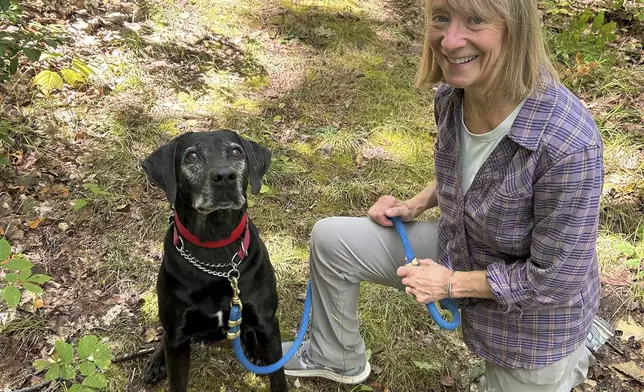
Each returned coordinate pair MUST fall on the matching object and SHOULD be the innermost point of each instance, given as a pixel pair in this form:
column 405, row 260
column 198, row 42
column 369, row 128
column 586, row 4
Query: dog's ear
column 259, row 158
column 159, row 167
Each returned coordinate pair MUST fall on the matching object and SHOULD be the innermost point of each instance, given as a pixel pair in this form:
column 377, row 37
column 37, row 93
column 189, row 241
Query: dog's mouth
column 208, row 206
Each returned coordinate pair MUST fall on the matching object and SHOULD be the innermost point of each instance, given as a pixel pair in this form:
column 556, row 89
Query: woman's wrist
column 470, row 284
column 450, row 284
column 423, row 201
column 413, row 207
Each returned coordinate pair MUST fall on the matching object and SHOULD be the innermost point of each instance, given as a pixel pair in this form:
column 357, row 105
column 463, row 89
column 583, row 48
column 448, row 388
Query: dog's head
column 208, row 170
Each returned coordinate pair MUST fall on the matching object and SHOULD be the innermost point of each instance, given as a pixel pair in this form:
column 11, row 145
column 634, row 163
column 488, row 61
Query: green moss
column 117, row 378
column 150, row 307
column 169, row 127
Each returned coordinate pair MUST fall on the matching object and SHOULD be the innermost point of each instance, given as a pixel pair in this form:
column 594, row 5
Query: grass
column 327, row 85
column 353, row 98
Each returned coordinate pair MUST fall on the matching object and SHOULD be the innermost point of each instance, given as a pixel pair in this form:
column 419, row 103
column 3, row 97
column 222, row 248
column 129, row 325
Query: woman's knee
column 326, row 233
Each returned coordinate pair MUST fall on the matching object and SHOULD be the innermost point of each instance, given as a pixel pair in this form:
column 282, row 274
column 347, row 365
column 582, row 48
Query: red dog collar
column 180, row 230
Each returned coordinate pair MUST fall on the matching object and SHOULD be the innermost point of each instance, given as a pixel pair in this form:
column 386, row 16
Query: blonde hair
column 524, row 64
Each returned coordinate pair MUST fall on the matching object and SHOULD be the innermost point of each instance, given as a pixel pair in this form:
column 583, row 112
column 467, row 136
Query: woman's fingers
column 377, row 211
column 420, row 296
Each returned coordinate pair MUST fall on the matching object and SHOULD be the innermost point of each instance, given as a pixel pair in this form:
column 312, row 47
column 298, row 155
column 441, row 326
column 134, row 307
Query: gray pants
column 346, row 251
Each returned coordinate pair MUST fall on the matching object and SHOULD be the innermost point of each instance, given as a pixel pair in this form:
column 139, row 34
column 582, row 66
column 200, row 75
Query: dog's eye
column 236, row 152
column 192, row 157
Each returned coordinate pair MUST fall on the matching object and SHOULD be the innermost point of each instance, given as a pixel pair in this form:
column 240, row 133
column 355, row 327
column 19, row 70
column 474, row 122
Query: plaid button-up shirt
column 530, row 219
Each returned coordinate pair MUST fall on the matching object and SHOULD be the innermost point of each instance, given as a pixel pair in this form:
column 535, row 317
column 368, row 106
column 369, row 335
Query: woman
column 518, row 180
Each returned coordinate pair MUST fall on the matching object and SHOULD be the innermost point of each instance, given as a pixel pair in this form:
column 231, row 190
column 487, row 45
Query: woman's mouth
column 460, row 60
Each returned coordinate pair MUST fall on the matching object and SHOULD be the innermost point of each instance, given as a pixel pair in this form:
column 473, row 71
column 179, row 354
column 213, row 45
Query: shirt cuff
column 500, row 277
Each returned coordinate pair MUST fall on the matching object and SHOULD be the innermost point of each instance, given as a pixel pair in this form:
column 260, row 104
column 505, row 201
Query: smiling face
column 466, row 47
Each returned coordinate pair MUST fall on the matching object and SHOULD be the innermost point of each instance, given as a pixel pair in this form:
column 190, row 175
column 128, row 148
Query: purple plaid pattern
column 530, row 219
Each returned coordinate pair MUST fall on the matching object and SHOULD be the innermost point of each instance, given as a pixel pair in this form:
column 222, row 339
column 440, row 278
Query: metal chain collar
column 233, row 272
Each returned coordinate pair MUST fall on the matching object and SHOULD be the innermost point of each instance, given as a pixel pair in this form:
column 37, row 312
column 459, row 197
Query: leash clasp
column 235, row 286
column 235, row 318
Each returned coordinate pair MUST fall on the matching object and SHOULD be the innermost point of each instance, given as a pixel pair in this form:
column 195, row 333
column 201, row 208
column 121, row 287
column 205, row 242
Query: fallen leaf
column 428, row 366
column 28, row 161
column 38, row 303
column 151, row 335
column 59, row 190
column 325, row 32
column 621, row 276
column 446, row 380
column 630, row 369
column 1, row 231
column 630, row 328
column 33, row 224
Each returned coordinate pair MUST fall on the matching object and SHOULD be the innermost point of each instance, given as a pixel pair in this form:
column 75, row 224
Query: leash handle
column 446, row 303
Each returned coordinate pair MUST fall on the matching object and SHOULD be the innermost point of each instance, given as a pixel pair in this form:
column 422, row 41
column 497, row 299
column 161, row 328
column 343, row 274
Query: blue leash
column 447, row 303
column 234, row 322
column 235, row 317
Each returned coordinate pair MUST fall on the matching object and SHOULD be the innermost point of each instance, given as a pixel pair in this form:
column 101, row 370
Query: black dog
column 205, row 176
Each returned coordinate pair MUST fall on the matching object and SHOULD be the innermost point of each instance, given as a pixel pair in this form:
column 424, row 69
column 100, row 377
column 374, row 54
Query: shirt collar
column 533, row 118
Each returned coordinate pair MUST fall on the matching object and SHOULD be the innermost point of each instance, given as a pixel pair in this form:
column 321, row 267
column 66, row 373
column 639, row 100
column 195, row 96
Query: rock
column 81, row 25
column 117, row 17
column 6, row 202
column 14, row 233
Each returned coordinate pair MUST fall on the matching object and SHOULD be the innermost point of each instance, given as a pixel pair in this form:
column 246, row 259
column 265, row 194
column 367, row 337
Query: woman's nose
column 454, row 37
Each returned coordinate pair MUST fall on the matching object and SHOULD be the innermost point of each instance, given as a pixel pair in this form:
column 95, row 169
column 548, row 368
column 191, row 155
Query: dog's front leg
column 155, row 369
column 177, row 359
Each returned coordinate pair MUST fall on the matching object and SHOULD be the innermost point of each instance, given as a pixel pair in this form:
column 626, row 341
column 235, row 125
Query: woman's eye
column 476, row 20
column 440, row 19
column 236, row 152
column 192, row 157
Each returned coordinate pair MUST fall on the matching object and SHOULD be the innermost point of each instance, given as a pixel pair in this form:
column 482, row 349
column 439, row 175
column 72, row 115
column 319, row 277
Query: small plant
column 96, row 193
column 24, row 40
column 591, row 41
column 19, row 278
column 631, row 12
column 4, row 140
column 92, row 359
column 75, row 76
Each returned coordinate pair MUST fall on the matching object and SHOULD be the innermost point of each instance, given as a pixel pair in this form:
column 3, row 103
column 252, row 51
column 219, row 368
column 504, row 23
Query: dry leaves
column 33, row 224
column 151, row 335
column 630, row 328
column 38, row 303
column 631, row 370
column 446, row 380
column 620, row 277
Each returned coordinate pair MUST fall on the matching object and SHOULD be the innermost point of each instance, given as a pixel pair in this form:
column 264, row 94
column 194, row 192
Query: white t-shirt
column 475, row 149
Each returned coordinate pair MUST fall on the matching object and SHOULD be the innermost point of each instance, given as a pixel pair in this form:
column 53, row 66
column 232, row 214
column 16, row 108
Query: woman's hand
column 426, row 281
column 389, row 206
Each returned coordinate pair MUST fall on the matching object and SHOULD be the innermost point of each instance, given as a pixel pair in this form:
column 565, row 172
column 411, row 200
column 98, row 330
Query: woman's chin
column 458, row 82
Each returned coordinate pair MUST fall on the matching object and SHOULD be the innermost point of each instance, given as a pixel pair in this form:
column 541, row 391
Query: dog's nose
column 223, row 176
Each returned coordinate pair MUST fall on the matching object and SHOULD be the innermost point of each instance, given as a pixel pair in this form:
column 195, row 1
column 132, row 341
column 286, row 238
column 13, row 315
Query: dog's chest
column 207, row 321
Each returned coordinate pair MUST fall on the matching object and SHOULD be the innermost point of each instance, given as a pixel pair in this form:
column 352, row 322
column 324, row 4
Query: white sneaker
column 300, row 365
column 600, row 331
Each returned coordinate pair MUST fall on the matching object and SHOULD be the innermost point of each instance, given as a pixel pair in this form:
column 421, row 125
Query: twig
column 617, row 350
column 36, row 387
column 125, row 357
column 6, row 229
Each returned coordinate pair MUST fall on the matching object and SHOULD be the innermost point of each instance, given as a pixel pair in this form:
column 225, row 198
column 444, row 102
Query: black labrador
column 205, row 176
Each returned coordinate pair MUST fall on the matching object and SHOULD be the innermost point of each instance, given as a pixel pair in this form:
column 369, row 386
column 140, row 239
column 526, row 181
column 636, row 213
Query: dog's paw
column 154, row 371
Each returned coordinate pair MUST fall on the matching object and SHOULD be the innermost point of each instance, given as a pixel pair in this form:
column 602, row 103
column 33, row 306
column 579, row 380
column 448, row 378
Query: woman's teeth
column 460, row 60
